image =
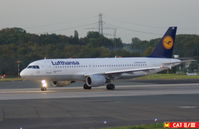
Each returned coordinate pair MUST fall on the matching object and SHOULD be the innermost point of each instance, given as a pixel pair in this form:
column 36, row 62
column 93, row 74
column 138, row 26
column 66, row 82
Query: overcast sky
column 145, row 19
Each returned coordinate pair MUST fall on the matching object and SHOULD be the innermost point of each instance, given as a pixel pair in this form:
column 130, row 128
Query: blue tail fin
column 164, row 48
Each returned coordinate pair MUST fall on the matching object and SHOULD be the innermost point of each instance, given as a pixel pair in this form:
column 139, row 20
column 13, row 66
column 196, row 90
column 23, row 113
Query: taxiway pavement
column 75, row 108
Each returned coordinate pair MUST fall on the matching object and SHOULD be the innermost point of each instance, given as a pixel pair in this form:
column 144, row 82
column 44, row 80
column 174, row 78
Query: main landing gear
column 86, row 87
column 110, row 86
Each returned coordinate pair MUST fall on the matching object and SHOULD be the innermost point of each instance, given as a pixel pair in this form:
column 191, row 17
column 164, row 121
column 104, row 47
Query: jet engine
column 60, row 83
column 95, row 80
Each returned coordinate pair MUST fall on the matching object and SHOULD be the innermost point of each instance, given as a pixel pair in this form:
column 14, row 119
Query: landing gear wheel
column 110, row 86
column 87, row 87
column 43, row 89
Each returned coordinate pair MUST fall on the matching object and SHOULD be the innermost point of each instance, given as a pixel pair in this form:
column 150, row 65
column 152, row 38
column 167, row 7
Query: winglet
column 164, row 48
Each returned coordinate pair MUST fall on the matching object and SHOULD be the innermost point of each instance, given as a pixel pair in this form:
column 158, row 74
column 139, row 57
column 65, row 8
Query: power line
column 73, row 27
column 58, row 23
column 101, row 27
column 115, row 27
column 134, row 23
column 133, row 30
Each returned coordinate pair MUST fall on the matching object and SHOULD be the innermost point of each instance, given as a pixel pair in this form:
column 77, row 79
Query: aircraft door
column 48, row 67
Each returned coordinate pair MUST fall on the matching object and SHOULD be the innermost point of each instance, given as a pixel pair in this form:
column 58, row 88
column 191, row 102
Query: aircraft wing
column 170, row 65
column 131, row 70
column 127, row 71
column 188, row 60
column 164, row 66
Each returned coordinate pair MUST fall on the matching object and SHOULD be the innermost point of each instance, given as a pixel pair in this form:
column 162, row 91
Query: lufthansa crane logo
column 168, row 42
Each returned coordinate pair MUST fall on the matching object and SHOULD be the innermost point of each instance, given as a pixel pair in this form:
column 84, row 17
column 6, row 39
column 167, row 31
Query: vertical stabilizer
column 164, row 48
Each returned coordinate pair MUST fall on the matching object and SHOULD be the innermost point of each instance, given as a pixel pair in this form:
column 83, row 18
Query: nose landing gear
column 43, row 89
column 44, row 85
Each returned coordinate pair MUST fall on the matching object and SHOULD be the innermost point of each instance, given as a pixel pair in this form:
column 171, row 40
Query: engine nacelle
column 60, row 83
column 95, row 80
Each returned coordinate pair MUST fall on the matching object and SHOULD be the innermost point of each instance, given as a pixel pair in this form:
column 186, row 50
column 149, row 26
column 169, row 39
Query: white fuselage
column 76, row 69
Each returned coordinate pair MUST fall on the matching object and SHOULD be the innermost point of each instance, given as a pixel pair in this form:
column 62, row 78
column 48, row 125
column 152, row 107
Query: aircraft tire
column 43, row 89
column 110, row 86
column 86, row 87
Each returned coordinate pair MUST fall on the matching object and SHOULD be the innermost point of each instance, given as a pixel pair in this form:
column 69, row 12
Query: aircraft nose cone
column 22, row 73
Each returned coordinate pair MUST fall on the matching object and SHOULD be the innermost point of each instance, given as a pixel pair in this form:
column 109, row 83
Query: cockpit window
column 33, row 67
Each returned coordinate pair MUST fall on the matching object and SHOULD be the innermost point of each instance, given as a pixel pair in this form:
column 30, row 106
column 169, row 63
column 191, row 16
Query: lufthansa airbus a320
column 102, row 71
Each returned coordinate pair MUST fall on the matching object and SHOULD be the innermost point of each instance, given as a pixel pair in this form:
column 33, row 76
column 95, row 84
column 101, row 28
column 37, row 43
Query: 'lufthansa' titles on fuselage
column 65, row 62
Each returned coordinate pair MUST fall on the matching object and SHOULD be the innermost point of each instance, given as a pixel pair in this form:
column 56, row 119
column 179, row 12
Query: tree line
column 18, row 46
